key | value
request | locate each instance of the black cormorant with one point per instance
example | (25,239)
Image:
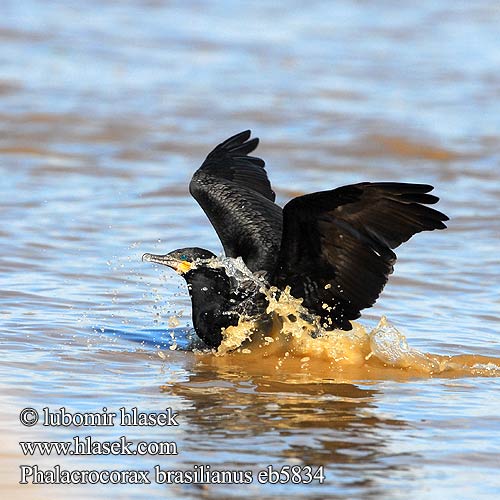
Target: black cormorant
(333,248)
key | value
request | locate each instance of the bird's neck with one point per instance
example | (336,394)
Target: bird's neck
(210,291)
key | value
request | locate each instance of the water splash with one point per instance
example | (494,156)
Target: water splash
(297,340)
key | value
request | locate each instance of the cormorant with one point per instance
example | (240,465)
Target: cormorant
(333,248)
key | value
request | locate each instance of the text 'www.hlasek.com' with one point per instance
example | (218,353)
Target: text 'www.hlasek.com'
(87,445)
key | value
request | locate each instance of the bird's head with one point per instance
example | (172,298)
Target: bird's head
(182,260)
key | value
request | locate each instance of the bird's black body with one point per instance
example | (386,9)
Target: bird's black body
(218,299)
(333,248)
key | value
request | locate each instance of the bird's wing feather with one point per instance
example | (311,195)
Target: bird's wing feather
(235,193)
(336,251)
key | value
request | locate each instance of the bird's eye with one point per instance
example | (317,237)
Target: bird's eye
(184,257)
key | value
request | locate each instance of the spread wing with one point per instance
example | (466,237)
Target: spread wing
(337,245)
(233,190)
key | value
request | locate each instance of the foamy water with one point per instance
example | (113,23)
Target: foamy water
(351,355)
